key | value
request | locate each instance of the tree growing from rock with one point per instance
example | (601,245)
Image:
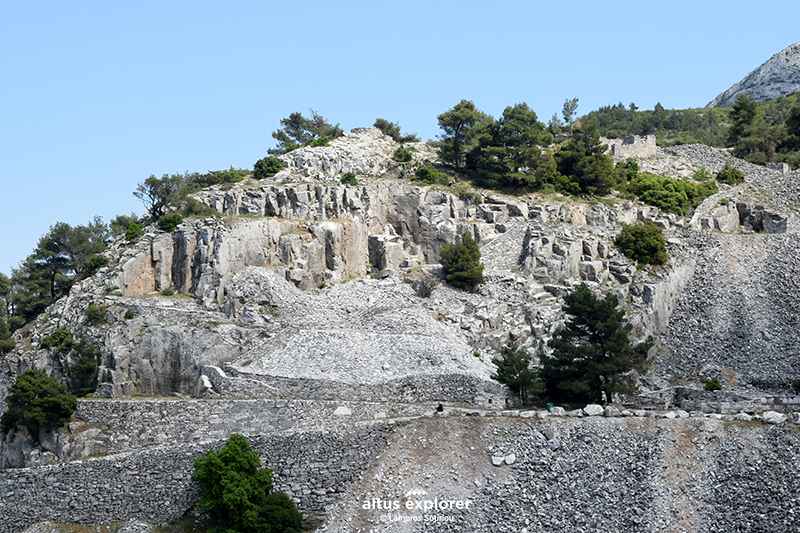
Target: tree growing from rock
(392,129)
(461,264)
(643,242)
(514,371)
(457,124)
(37,401)
(592,356)
(297,131)
(158,194)
(236,492)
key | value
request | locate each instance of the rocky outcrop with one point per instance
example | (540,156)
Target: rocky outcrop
(779,76)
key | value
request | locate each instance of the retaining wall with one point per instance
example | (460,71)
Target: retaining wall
(155,485)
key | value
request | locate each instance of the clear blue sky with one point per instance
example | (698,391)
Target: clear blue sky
(96,96)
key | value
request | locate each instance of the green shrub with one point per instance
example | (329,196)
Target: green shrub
(267,167)
(670,195)
(429,175)
(461,264)
(796,386)
(349,178)
(193,208)
(168,291)
(513,371)
(235,492)
(93,264)
(83,374)
(169,222)
(61,339)
(321,141)
(129,314)
(402,155)
(730,175)
(6,342)
(37,401)
(712,384)
(643,242)
(96,314)
(134,231)
(724,201)
(702,174)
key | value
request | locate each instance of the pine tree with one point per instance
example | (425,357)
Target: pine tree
(461,264)
(513,371)
(592,354)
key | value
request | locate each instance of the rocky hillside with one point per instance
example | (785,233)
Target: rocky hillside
(780,75)
(299,319)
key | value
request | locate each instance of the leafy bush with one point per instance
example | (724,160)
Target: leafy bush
(349,178)
(392,129)
(134,231)
(169,222)
(235,492)
(267,167)
(796,385)
(129,314)
(461,264)
(643,242)
(429,175)
(168,291)
(120,223)
(6,342)
(402,155)
(321,141)
(96,314)
(83,374)
(671,195)
(61,339)
(730,175)
(513,370)
(702,174)
(592,356)
(37,401)
(712,384)
(193,208)
(93,264)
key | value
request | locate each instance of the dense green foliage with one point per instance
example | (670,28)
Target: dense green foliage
(96,314)
(712,384)
(134,231)
(120,223)
(392,129)
(83,373)
(584,162)
(730,175)
(37,401)
(94,263)
(60,258)
(430,176)
(461,264)
(796,386)
(592,355)
(402,155)
(61,339)
(643,242)
(158,194)
(297,131)
(349,178)
(6,342)
(458,125)
(322,141)
(669,194)
(235,492)
(267,167)
(513,371)
(169,222)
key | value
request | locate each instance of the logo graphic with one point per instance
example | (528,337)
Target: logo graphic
(416,492)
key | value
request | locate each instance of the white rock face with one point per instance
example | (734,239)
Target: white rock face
(780,75)
(775,418)
(593,410)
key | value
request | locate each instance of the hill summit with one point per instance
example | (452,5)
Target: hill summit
(780,75)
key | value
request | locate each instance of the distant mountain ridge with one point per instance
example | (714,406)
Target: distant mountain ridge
(780,75)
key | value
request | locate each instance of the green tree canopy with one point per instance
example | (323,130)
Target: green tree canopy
(584,161)
(457,124)
(297,131)
(235,492)
(37,401)
(643,242)
(392,129)
(158,194)
(461,264)
(514,371)
(592,355)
